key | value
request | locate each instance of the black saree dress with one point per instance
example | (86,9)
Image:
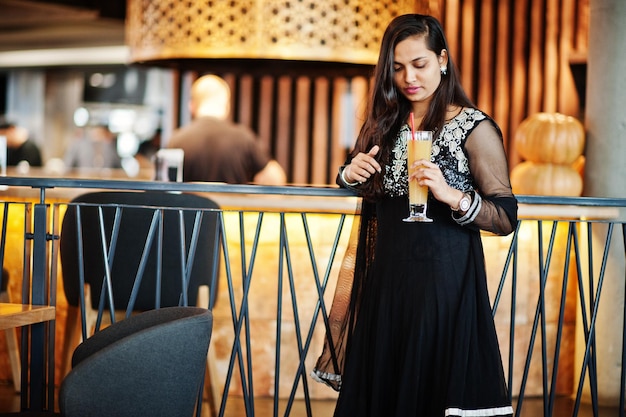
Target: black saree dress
(418,334)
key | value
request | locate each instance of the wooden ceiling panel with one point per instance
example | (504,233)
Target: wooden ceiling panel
(29,24)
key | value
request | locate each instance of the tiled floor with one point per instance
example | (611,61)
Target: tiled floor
(10,402)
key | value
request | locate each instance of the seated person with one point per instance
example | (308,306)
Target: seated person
(19,146)
(97,149)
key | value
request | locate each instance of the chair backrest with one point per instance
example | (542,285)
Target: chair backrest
(151,364)
(141,260)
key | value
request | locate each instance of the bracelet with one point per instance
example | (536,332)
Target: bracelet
(343,178)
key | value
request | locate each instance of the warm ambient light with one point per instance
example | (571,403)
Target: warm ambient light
(97,55)
(343,31)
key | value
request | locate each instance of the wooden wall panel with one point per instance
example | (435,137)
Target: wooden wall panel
(284,121)
(245,101)
(519,78)
(321,133)
(581,26)
(568,100)
(231,80)
(302,132)
(452,11)
(514,57)
(360,87)
(341,125)
(265,112)
(551,54)
(485,70)
(468,46)
(520,53)
(502,80)
(535,60)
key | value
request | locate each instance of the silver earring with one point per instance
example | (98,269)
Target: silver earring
(444,70)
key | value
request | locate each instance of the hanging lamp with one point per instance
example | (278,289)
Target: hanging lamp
(183,32)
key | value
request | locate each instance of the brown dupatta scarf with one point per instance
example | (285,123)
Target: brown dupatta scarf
(342,317)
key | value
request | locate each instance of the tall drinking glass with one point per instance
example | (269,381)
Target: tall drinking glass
(418,146)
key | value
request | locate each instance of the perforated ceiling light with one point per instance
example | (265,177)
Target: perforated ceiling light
(342,31)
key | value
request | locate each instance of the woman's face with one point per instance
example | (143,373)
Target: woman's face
(417,69)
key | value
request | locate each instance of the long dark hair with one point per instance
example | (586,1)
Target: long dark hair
(388,109)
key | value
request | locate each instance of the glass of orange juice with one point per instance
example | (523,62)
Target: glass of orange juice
(418,146)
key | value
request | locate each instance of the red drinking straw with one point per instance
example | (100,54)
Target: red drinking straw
(412,125)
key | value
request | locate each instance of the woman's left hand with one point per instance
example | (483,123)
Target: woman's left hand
(429,174)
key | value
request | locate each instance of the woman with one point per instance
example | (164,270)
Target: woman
(423,342)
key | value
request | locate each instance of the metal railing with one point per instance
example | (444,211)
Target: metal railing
(575,250)
(281,249)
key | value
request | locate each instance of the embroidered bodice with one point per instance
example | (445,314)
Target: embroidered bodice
(447,152)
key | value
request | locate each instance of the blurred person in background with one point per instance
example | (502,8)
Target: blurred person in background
(218,150)
(97,149)
(20,147)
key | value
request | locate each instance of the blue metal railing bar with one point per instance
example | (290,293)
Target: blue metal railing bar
(26,297)
(282,254)
(245,312)
(320,305)
(547,389)
(239,319)
(39,296)
(5,220)
(539,314)
(193,245)
(317,191)
(622,408)
(81,272)
(109,255)
(156,220)
(583,308)
(590,340)
(54,249)
(561,320)
(50,183)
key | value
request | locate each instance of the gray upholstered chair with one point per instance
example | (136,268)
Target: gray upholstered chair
(151,364)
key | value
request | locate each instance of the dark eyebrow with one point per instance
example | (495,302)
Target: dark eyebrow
(419,58)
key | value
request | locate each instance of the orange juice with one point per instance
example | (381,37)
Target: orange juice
(417,149)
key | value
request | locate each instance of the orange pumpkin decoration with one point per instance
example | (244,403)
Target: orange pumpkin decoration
(579,165)
(551,138)
(535,178)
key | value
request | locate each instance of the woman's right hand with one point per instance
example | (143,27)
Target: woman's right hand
(362,166)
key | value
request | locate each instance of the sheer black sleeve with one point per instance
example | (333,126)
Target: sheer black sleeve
(495,203)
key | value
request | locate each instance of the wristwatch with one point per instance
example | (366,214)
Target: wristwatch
(464,203)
